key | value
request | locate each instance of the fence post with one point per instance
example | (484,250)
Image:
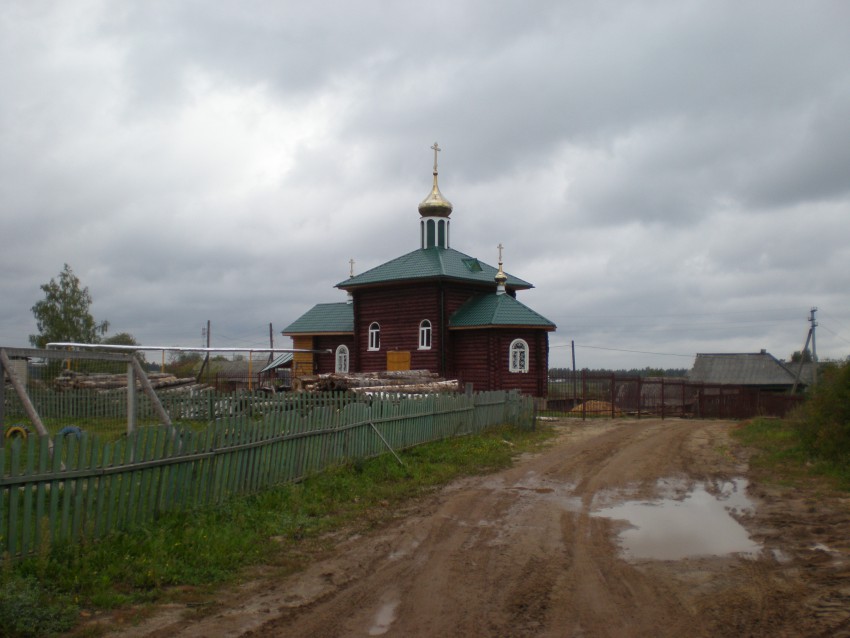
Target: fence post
(640,393)
(662,399)
(613,393)
(583,395)
(148,388)
(29,408)
(131,399)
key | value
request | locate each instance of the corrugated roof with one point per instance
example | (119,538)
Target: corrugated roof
(429,263)
(278,361)
(760,368)
(497,310)
(332,318)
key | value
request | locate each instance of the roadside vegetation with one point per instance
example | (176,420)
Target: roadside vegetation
(814,441)
(185,556)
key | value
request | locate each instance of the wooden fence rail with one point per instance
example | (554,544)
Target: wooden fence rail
(88,487)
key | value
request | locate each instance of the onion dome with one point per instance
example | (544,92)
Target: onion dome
(500,277)
(435,205)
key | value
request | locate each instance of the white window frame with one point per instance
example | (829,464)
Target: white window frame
(518,356)
(425,334)
(341,359)
(374,336)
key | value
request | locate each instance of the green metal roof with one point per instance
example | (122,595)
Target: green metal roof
(286,357)
(432,263)
(324,318)
(492,310)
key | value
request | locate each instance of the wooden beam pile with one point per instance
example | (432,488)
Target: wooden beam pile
(404,381)
(70,380)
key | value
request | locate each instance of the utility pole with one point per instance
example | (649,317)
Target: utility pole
(271,343)
(206,334)
(814,325)
(809,337)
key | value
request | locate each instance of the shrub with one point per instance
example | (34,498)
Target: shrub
(823,421)
(26,609)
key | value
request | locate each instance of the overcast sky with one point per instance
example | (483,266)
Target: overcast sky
(672,176)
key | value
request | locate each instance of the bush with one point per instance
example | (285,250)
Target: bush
(26,609)
(823,421)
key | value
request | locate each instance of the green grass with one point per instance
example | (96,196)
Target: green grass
(783,457)
(190,553)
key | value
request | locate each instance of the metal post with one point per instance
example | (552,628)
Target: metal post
(148,389)
(29,408)
(131,399)
(640,393)
(583,395)
(2,404)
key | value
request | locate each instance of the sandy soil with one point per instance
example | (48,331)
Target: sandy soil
(520,553)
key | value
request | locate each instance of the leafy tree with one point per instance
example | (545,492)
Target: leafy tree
(824,419)
(63,314)
(805,356)
(125,339)
(121,339)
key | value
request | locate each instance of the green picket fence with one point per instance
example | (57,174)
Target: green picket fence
(89,486)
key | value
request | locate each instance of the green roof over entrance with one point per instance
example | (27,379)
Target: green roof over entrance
(432,263)
(324,318)
(494,310)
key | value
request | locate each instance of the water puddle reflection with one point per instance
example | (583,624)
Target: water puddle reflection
(386,614)
(687,520)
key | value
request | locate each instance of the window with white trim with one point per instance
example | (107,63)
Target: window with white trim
(374,336)
(518,356)
(341,361)
(424,335)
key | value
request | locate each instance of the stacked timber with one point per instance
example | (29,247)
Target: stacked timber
(403,381)
(70,380)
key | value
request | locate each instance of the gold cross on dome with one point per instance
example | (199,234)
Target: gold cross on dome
(436,149)
(351,267)
(500,247)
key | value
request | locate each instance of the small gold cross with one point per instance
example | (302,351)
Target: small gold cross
(436,148)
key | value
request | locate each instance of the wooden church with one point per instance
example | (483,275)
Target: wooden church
(433,309)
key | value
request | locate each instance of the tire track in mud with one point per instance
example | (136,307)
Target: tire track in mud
(519,553)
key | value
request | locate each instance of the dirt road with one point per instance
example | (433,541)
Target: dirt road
(531,552)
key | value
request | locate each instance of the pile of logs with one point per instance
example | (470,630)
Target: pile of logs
(70,380)
(404,381)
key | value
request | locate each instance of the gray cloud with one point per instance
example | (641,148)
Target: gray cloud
(646,165)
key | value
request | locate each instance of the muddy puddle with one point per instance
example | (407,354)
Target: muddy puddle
(686,520)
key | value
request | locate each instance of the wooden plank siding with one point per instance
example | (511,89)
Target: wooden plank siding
(481,357)
(90,488)
(399,311)
(326,361)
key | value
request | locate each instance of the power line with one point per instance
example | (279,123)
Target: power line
(664,354)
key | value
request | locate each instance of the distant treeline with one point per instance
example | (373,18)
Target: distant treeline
(564,373)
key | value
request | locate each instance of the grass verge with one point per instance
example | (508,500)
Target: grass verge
(782,456)
(186,555)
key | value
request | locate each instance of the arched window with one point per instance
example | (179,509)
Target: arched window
(425,335)
(374,336)
(518,361)
(341,361)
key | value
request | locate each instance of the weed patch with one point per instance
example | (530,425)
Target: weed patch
(280,527)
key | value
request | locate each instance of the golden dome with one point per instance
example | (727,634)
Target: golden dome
(435,205)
